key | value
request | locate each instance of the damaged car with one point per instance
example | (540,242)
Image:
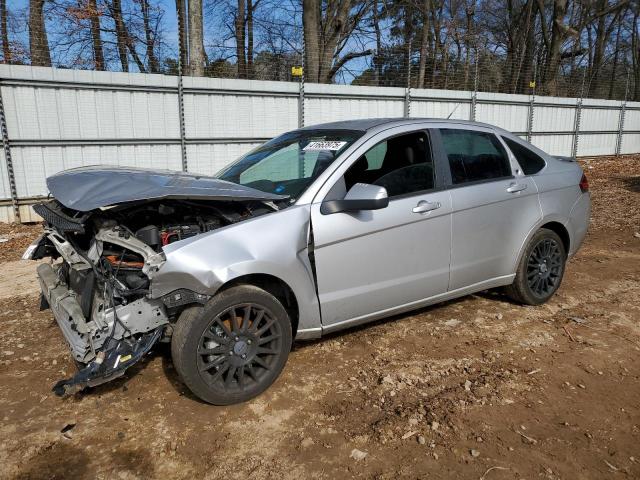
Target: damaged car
(317,230)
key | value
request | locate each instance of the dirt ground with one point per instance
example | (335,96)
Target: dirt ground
(478,388)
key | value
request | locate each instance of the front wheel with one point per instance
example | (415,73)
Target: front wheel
(234,347)
(540,269)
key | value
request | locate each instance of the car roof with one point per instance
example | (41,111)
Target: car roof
(367,124)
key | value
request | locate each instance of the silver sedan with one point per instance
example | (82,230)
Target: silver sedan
(317,230)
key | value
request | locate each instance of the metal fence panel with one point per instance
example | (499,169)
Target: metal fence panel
(59,119)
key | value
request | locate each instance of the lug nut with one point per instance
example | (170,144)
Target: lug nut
(244,355)
(249,342)
(231,352)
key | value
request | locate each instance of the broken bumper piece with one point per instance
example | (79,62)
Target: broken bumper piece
(109,364)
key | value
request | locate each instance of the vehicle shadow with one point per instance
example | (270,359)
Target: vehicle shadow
(631,183)
(495,295)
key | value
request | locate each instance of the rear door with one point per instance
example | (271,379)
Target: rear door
(494,206)
(369,263)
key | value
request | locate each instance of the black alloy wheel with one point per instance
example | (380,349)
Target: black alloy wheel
(234,347)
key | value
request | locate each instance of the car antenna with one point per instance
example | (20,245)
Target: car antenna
(453,111)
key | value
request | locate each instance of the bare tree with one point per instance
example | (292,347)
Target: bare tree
(327,27)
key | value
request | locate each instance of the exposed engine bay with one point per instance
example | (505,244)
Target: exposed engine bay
(99,289)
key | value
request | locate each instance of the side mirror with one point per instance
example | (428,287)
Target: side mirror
(361,196)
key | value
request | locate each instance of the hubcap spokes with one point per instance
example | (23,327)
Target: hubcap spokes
(544,267)
(238,347)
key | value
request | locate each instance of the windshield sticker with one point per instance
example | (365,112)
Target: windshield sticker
(326,145)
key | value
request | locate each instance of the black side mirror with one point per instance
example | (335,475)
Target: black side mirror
(361,196)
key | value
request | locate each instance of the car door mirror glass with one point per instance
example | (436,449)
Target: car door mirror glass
(361,196)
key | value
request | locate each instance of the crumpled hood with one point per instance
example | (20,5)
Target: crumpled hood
(88,188)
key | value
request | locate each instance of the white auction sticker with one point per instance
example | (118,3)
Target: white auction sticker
(325,145)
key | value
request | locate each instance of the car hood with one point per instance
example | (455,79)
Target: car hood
(88,188)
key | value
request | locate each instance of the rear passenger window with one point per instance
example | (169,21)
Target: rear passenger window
(529,161)
(474,156)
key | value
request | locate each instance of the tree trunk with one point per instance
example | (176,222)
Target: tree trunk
(408,35)
(377,59)
(96,40)
(38,41)
(598,51)
(240,40)
(250,7)
(558,34)
(182,35)
(615,60)
(196,39)
(121,34)
(424,44)
(311,16)
(4,32)
(150,41)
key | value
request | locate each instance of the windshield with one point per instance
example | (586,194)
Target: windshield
(288,164)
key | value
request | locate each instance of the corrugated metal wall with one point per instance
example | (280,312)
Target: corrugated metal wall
(59,119)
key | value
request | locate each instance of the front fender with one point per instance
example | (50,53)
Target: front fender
(273,244)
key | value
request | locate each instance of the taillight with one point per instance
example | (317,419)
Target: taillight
(584,184)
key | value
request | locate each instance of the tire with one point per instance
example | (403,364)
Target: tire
(234,347)
(540,269)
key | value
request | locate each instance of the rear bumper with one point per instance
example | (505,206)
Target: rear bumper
(67,312)
(579,221)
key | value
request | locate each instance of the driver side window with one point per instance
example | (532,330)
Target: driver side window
(401,164)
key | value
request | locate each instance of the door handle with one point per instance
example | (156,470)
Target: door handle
(423,206)
(514,187)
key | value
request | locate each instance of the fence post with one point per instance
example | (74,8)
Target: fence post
(623,108)
(9,161)
(576,124)
(532,99)
(474,95)
(183,145)
(301,91)
(407,93)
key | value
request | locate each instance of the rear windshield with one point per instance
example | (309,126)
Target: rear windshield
(288,164)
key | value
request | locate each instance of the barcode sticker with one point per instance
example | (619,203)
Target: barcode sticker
(325,145)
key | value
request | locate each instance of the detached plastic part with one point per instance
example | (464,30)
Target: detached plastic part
(109,364)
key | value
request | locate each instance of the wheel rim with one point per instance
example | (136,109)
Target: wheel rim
(239,348)
(544,267)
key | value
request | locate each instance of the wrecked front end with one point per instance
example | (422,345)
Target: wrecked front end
(98,284)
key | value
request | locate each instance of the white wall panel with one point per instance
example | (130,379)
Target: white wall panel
(32,165)
(510,117)
(553,119)
(239,116)
(630,143)
(592,119)
(429,109)
(5,191)
(56,114)
(592,145)
(321,110)
(208,159)
(554,144)
(632,120)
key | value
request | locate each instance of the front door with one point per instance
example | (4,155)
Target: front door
(371,263)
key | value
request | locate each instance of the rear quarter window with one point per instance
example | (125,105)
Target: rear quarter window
(529,161)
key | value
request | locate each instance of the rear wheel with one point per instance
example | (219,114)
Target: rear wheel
(234,347)
(540,270)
